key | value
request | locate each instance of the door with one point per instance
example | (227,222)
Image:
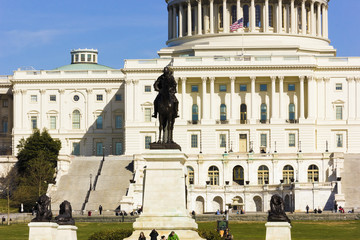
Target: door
(243,143)
(99,148)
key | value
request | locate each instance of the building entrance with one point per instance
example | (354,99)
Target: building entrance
(243,143)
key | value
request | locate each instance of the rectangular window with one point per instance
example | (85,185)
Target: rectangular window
(118,121)
(76,148)
(194,88)
(291,87)
(243,87)
(291,140)
(222,140)
(339,140)
(99,97)
(77,57)
(339,113)
(99,122)
(5,126)
(147,142)
(263,140)
(99,149)
(33,122)
(52,98)
(118,148)
(338,86)
(147,114)
(83,57)
(194,141)
(52,122)
(147,88)
(118,97)
(222,88)
(33,98)
(5,103)
(263,87)
(89,57)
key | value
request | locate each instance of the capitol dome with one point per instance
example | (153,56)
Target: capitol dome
(267,27)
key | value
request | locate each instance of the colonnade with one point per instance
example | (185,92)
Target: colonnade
(306,17)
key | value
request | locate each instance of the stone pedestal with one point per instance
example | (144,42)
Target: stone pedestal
(278,231)
(164,207)
(42,231)
(67,232)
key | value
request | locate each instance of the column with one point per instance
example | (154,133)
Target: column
(357,96)
(183,93)
(204,106)
(293,25)
(266,22)
(302,107)
(17,114)
(206,19)
(199,17)
(212,110)
(181,19)
(60,116)
(288,21)
(312,18)
(135,99)
(351,98)
(225,18)
(326,20)
(211,16)
(281,93)
(318,27)
(280,18)
(169,23)
(273,86)
(232,99)
(321,98)
(239,13)
(189,19)
(252,16)
(174,22)
(128,103)
(311,97)
(303,17)
(23,100)
(323,20)
(89,92)
(327,98)
(41,123)
(253,104)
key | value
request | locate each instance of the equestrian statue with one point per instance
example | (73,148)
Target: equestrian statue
(166,106)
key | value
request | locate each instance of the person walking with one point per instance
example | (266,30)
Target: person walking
(142,236)
(100,209)
(335,207)
(173,236)
(153,235)
(307,208)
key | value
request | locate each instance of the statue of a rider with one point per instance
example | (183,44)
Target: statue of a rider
(166,76)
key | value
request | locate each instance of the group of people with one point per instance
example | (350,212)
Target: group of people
(318,210)
(154,234)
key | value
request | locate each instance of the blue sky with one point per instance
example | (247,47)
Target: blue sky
(41,33)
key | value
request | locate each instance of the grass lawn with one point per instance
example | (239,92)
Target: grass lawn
(349,230)
(3,207)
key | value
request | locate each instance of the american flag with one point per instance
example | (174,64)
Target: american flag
(238,24)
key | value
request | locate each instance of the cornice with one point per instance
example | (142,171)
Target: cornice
(67,80)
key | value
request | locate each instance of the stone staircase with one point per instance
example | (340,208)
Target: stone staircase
(74,186)
(350,178)
(111,185)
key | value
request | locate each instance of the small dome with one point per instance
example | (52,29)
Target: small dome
(84,56)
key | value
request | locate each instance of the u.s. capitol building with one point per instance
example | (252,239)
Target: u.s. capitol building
(267,108)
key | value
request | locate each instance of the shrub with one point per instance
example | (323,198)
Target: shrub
(111,234)
(209,234)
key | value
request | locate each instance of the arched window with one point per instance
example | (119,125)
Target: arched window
(246,15)
(313,173)
(213,175)
(271,16)
(258,16)
(263,116)
(291,112)
(221,17)
(191,177)
(238,175)
(195,112)
(288,174)
(76,119)
(243,113)
(263,175)
(222,112)
(233,14)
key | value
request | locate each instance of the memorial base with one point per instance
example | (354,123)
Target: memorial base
(67,232)
(42,230)
(278,231)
